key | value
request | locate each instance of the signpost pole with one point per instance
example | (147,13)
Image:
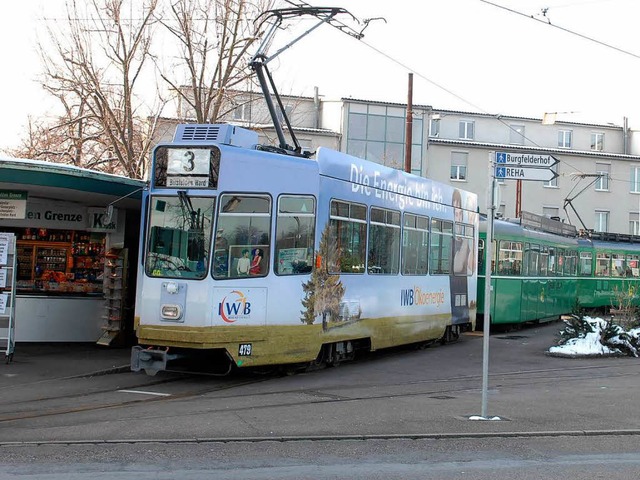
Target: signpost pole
(518,198)
(488,248)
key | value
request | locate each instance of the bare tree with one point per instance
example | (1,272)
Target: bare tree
(94,64)
(214,37)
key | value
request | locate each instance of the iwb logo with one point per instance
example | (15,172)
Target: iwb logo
(234,307)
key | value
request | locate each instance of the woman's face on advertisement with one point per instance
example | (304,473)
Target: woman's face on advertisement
(457,209)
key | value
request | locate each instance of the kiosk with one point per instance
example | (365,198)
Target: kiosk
(58,214)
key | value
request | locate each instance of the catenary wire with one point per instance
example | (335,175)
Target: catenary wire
(572,32)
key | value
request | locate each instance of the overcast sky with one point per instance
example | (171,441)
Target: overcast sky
(465,54)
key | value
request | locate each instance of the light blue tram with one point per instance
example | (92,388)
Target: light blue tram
(254,257)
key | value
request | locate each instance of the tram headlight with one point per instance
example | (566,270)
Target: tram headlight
(171,287)
(171,312)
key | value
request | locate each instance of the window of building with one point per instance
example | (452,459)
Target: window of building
(288,109)
(564,138)
(415,245)
(551,212)
(466,130)
(635,179)
(244,223)
(440,247)
(434,127)
(348,223)
(377,133)
(597,141)
(242,112)
(384,242)
(306,144)
(634,223)
(516,134)
(602,221)
(554,181)
(295,234)
(602,183)
(501,211)
(459,165)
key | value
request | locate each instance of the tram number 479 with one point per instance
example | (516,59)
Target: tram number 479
(244,350)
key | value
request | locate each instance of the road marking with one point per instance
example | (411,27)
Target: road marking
(146,393)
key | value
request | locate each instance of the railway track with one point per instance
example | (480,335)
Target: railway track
(189,386)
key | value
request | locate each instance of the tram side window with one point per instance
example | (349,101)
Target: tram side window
(586,262)
(179,236)
(544,260)
(481,257)
(534,260)
(348,222)
(295,234)
(633,267)
(603,262)
(242,239)
(510,258)
(384,242)
(571,268)
(415,245)
(617,265)
(463,261)
(561,262)
(440,247)
(551,271)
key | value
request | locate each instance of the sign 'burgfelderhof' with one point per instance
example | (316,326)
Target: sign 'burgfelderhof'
(526,159)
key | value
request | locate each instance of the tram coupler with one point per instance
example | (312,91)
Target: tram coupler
(151,360)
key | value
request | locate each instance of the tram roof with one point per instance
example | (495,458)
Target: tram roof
(58,181)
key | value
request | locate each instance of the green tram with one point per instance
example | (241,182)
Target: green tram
(542,269)
(609,271)
(534,270)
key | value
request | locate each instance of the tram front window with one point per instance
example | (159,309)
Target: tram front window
(179,236)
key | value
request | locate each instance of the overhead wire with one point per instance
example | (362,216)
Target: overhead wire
(572,32)
(482,110)
(459,97)
(564,29)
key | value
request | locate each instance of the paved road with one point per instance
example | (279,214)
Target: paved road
(402,414)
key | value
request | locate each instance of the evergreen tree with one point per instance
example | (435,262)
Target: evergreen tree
(324,291)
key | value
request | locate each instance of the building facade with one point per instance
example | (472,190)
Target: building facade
(598,182)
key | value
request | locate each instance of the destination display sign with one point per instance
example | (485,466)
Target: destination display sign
(525,173)
(526,159)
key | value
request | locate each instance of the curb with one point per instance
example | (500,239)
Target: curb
(325,438)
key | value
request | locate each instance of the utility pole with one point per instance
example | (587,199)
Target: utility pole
(409,127)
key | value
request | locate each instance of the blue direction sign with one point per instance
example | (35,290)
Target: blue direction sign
(533,160)
(525,173)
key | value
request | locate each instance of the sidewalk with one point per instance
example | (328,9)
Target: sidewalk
(33,362)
